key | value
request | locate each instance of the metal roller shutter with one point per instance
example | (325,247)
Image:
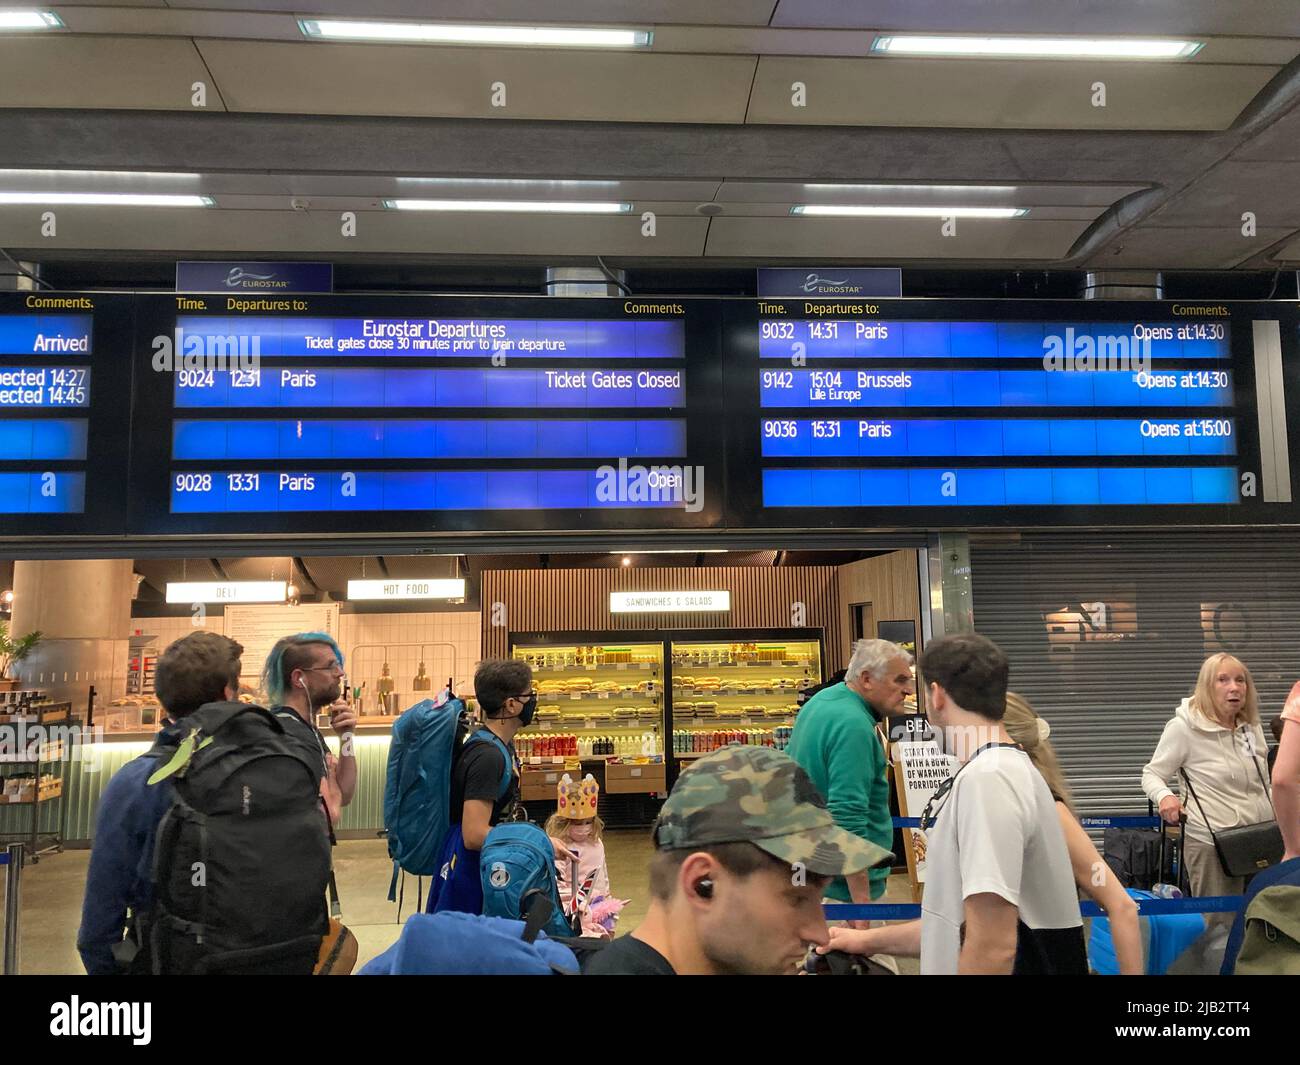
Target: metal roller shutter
(1106,633)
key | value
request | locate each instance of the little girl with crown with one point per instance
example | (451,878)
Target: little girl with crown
(576,822)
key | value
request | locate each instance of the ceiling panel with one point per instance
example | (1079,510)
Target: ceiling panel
(1289,252)
(1208,248)
(153,73)
(891,240)
(1263,17)
(381,232)
(1270,190)
(594,12)
(1003,95)
(337,79)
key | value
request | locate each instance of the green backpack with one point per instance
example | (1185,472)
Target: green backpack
(1271,946)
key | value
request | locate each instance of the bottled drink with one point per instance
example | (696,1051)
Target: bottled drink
(1166,891)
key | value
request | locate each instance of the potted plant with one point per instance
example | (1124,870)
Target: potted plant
(12,652)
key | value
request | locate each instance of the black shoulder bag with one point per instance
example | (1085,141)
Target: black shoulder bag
(1246,849)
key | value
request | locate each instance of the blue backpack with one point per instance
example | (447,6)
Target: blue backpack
(465,944)
(1164,937)
(417,790)
(517,867)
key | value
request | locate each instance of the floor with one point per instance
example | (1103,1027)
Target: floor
(52,891)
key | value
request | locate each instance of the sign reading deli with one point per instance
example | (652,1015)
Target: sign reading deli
(668,602)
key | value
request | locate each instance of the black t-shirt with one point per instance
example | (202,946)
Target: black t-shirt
(627,956)
(476,774)
(305,734)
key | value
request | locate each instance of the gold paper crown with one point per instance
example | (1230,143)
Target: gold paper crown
(577,802)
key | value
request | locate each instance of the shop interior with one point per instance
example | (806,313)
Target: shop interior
(627,692)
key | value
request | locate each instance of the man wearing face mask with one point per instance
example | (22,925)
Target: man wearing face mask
(485,782)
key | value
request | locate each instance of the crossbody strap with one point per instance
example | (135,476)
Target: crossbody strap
(1192,792)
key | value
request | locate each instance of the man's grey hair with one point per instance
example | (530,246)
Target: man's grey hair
(874,656)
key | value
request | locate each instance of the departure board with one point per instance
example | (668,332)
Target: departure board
(62,384)
(871,417)
(378,413)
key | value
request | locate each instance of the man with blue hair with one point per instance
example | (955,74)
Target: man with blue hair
(304,675)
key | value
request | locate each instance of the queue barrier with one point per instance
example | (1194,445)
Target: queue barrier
(898,911)
(12,858)
(1086,822)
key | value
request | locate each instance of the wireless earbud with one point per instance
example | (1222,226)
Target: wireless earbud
(704,888)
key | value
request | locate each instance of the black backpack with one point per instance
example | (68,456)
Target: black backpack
(242,857)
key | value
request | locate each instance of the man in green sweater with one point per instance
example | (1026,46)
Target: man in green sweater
(835,741)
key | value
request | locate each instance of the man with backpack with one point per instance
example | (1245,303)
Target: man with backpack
(484,782)
(303,675)
(213,841)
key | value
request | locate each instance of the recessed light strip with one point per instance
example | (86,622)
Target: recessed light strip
(850,210)
(30,20)
(955,47)
(107,199)
(516,206)
(467,33)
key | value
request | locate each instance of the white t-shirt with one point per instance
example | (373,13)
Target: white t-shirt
(998,831)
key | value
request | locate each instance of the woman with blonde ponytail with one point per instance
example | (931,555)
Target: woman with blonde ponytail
(1091,873)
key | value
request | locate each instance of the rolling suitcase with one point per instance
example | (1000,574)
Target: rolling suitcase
(1164,936)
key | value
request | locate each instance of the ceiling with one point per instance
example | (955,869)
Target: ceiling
(317,577)
(1158,178)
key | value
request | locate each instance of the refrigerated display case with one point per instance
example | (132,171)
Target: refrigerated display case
(598,700)
(739,688)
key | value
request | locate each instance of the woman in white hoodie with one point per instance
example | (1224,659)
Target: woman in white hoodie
(1216,739)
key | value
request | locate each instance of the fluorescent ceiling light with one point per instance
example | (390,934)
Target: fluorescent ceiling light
(466,33)
(107,199)
(506,182)
(30,20)
(913,188)
(151,175)
(524,206)
(851,210)
(226,591)
(1034,47)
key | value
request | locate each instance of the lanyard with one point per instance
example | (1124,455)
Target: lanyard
(929,815)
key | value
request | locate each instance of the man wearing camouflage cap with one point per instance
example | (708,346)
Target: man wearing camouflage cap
(744,848)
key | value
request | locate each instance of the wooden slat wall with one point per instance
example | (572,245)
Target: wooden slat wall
(889,583)
(578,600)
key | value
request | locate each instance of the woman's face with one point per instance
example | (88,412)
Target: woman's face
(1230,688)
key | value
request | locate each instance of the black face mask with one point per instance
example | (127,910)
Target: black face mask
(526,714)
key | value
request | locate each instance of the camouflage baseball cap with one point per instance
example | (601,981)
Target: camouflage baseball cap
(761,796)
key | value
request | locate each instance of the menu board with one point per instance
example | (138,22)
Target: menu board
(59,392)
(874,418)
(375,413)
(257,629)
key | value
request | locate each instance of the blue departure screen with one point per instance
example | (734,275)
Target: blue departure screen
(439,338)
(45,334)
(44,370)
(485,403)
(1040,398)
(840,339)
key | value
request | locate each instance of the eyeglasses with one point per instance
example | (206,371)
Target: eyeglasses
(334,668)
(526,696)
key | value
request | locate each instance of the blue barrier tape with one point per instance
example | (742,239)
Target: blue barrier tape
(1087,822)
(890,911)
